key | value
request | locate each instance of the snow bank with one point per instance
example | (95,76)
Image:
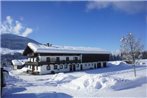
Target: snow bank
(116,63)
(141,62)
(104,82)
(126,84)
(91,82)
(61,78)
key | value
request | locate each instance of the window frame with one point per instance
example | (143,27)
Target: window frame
(67,58)
(48,59)
(57,59)
(55,66)
(78,65)
(48,67)
(65,66)
(75,58)
(61,66)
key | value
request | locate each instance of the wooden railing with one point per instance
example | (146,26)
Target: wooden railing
(52,62)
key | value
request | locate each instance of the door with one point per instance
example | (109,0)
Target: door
(94,65)
(99,65)
(70,67)
(33,68)
(81,67)
(74,67)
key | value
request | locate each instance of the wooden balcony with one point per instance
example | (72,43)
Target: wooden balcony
(52,62)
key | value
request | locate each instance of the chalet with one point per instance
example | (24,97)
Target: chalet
(44,59)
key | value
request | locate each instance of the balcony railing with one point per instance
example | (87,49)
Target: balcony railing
(52,62)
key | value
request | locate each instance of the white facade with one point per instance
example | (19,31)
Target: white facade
(67,67)
(53,59)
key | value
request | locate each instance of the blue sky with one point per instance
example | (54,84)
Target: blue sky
(93,24)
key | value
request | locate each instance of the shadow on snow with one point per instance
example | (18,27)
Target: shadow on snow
(38,95)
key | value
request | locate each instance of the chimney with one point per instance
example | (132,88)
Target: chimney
(48,44)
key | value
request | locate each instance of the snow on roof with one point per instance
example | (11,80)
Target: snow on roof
(19,62)
(16,62)
(40,48)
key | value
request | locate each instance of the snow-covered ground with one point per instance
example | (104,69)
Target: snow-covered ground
(116,80)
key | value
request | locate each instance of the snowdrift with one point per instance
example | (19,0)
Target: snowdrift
(60,78)
(104,82)
(117,63)
(91,82)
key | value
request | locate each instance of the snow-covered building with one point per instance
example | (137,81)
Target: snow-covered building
(43,59)
(18,64)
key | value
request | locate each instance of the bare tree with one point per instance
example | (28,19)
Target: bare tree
(131,49)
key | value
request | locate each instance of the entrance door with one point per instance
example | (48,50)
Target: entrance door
(70,66)
(74,67)
(33,68)
(81,67)
(99,65)
(94,65)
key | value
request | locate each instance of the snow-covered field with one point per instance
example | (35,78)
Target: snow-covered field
(116,80)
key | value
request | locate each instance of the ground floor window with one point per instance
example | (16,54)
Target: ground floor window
(77,65)
(36,67)
(65,66)
(61,66)
(48,67)
(55,66)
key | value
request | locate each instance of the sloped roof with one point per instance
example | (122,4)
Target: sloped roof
(40,48)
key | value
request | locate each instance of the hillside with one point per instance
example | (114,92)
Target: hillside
(15,42)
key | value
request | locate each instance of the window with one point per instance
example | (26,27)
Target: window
(85,64)
(65,66)
(48,59)
(75,58)
(61,66)
(57,59)
(48,67)
(55,66)
(53,59)
(36,67)
(77,65)
(37,59)
(67,58)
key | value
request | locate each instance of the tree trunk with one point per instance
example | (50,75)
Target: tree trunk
(134,70)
